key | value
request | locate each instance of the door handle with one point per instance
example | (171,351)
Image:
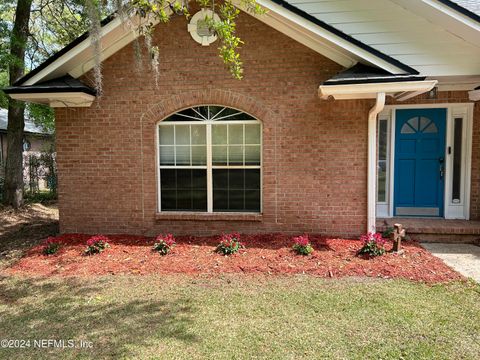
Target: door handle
(441,160)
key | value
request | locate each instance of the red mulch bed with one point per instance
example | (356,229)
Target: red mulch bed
(268,254)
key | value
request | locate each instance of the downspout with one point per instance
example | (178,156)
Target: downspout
(372,161)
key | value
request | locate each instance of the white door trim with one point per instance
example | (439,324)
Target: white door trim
(454,110)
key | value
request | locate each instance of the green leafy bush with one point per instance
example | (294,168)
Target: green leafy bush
(229,244)
(302,245)
(388,232)
(96,244)
(164,244)
(51,246)
(43,197)
(373,245)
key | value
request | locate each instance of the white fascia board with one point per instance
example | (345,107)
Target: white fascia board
(462,18)
(474,95)
(442,15)
(116,35)
(322,36)
(370,91)
(76,62)
(57,99)
(304,36)
(71,55)
(118,39)
(107,51)
(457,83)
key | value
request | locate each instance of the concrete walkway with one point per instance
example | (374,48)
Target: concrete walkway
(464,258)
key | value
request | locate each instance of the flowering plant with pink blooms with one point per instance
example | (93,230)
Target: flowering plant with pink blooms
(373,244)
(164,244)
(302,245)
(51,246)
(96,244)
(229,244)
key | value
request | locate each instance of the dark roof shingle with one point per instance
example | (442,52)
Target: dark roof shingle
(364,74)
(62,84)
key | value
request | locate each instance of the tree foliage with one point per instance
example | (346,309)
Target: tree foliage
(55,23)
(152,12)
(32,30)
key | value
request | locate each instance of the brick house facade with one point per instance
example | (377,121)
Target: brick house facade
(314,151)
(115,153)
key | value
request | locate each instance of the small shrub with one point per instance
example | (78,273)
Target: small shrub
(51,246)
(43,197)
(229,244)
(96,244)
(388,232)
(373,245)
(164,244)
(302,245)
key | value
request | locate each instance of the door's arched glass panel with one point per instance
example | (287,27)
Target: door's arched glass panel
(416,124)
(407,129)
(413,122)
(431,128)
(424,122)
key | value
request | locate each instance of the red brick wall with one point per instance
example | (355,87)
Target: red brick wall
(314,157)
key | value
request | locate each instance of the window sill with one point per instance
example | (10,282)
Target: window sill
(201,216)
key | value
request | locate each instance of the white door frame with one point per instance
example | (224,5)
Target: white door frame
(458,210)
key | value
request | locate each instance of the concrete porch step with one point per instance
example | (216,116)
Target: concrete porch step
(436,230)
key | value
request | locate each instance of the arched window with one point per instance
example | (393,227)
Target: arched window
(210,161)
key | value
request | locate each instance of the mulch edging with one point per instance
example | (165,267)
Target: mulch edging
(265,253)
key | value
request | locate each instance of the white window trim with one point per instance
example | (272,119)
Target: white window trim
(464,110)
(209,167)
(382,206)
(459,210)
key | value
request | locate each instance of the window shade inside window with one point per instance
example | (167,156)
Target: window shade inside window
(183,189)
(236,190)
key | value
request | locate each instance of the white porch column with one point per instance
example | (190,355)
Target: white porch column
(372,161)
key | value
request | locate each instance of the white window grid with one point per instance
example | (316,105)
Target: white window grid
(209,121)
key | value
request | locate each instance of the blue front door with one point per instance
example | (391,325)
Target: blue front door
(419,173)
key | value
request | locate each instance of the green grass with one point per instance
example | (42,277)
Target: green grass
(240,317)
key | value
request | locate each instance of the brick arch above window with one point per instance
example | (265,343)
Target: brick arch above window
(169,104)
(236,100)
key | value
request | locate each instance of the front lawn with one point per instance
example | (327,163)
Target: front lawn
(241,316)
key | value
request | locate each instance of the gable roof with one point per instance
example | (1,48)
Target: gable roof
(77,57)
(287,5)
(434,38)
(60,53)
(385,36)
